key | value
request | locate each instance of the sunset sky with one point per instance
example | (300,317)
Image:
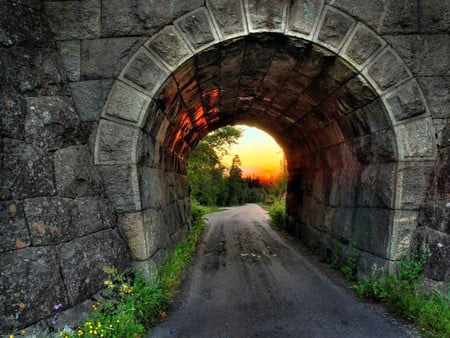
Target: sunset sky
(260,154)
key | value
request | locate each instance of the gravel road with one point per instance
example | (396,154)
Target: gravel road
(248,281)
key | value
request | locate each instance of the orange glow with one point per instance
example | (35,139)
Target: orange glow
(260,155)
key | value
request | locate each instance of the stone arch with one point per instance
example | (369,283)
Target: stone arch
(358,166)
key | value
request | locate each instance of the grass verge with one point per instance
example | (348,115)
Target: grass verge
(130,304)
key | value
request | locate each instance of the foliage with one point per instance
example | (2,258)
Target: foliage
(277,214)
(130,304)
(399,292)
(205,171)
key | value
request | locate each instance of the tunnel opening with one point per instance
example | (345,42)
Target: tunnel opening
(328,114)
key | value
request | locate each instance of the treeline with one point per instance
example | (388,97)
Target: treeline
(212,183)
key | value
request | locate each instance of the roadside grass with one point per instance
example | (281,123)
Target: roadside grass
(130,305)
(399,292)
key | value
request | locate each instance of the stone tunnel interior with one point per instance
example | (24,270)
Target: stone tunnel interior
(332,125)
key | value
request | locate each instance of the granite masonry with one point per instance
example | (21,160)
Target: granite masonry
(101,102)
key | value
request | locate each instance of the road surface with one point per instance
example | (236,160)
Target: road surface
(247,281)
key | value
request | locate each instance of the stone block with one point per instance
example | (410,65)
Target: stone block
(51,122)
(228,16)
(414,180)
(356,93)
(197,29)
(89,98)
(437,95)
(170,47)
(371,265)
(26,277)
(141,17)
(23,26)
(416,138)
(424,55)
(92,214)
(387,70)
(377,186)
(148,269)
(363,44)
(127,104)
(14,234)
(75,173)
(27,171)
(145,232)
(144,71)
(266,15)
(49,220)
(403,234)
(438,265)
(70,20)
(121,185)
(153,187)
(406,101)
(434,16)
(83,261)
(70,52)
(371,230)
(12,113)
(32,71)
(333,28)
(383,17)
(303,15)
(106,58)
(119,144)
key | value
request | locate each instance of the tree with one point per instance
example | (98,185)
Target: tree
(236,185)
(205,170)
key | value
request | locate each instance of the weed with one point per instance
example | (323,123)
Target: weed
(277,214)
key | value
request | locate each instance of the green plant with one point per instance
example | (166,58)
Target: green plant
(129,305)
(277,214)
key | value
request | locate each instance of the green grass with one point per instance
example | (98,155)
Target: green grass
(209,209)
(399,293)
(277,214)
(130,304)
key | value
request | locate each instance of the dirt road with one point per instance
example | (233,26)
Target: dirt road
(247,281)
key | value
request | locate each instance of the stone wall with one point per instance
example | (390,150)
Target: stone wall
(102,102)
(58,230)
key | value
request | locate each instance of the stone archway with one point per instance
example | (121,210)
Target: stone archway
(349,114)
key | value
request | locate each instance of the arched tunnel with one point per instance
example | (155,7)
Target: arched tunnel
(332,123)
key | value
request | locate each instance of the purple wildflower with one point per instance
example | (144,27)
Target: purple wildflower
(57,306)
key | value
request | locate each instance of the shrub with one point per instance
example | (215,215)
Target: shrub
(277,214)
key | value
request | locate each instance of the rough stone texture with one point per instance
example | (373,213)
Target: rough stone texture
(334,28)
(388,70)
(228,16)
(120,144)
(27,171)
(32,71)
(25,285)
(70,52)
(169,46)
(406,102)
(415,139)
(89,98)
(70,20)
(51,122)
(303,15)
(265,15)
(425,55)
(121,186)
(12,113)
(105,58)
(148,17)
(75,174)
(437,94)
(20,25)
(383,16)
(438,265)
(434,16)
(145,72)
(197,29)
(415,178)
(14,234)
(363,45)
(83,260)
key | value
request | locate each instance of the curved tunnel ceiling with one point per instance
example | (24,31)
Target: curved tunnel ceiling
(305,96)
